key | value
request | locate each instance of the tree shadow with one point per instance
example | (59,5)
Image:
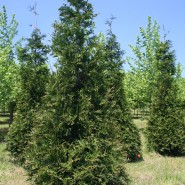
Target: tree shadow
(3,132)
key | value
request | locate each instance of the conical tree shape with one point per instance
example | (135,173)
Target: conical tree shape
(117,99)
(34,75)
(73,142)
(166,126)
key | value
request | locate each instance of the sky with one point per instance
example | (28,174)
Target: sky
(130,16)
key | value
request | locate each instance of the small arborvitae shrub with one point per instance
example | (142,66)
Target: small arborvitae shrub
(74,142)
(116,98)
(34,75)
(166,126)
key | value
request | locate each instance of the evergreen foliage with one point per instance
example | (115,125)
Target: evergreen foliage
(117,99)
(166,126)
(34,75)
(75,141)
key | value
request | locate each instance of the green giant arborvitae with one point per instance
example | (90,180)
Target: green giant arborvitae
(166,126)
(74,142)
(117,99)
(34,74)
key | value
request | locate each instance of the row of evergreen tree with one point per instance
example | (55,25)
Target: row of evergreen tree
(74,126)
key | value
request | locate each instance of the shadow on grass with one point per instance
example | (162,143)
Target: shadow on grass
(3,132)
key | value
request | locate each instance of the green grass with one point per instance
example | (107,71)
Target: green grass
(10,174)
(156,169)
(153,170)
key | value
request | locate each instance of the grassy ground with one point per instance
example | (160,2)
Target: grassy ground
(156,169)
(153,170)
(10,174)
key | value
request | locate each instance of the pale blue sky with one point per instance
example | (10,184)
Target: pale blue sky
(130,14)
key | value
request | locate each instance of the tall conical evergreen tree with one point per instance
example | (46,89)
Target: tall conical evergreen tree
(73,142)
(117,99)
(34,75)
(166,126)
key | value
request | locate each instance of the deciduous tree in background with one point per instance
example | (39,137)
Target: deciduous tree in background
(8,67)
(141,79)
